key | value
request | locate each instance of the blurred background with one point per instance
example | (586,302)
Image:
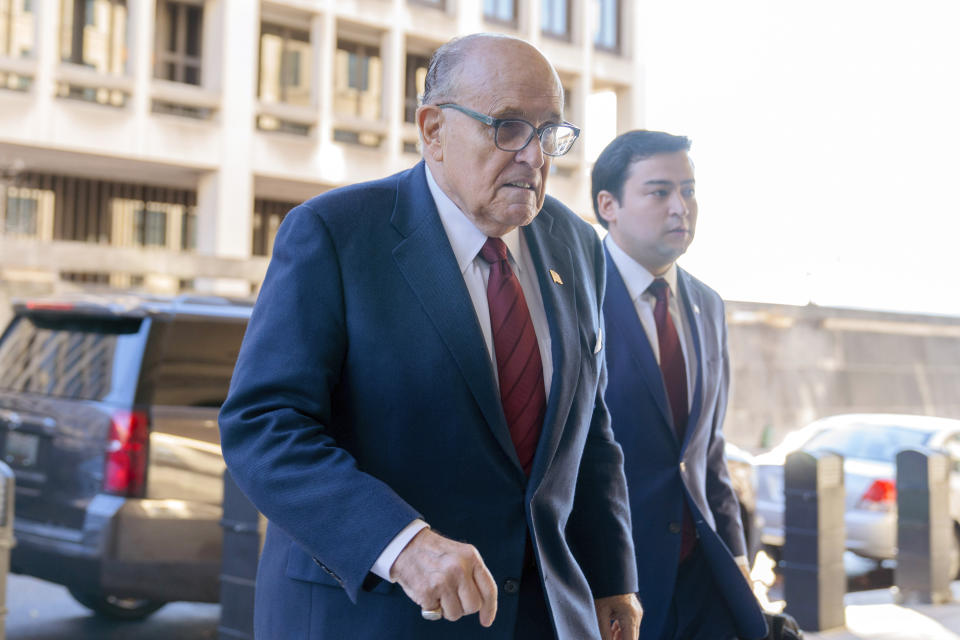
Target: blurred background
(154,146)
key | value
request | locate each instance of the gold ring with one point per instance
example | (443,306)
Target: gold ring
(432,614)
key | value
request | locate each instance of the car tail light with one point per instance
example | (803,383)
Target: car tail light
(879,496)
(126,467)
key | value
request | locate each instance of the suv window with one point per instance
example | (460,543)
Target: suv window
(197,361)
(65,356)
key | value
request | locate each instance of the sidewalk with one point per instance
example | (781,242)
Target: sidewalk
(873,615)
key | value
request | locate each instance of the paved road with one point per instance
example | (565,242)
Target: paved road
(39,610)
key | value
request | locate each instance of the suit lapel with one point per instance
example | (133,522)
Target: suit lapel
(621,313)
(692,304)
(426,261)
(560,304)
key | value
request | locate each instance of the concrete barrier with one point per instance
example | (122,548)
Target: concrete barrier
(814,580)
(924,527)
(7,492)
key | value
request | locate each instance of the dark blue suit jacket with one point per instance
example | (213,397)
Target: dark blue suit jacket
(661,471)
(364,397)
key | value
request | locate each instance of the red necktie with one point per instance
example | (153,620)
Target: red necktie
(675,379)
(518,355)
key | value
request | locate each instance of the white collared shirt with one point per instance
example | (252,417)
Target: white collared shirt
(638,279)
(466,240)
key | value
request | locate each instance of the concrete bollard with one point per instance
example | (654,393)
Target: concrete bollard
(924,527)
(7,493)
(243,530)
(814,579)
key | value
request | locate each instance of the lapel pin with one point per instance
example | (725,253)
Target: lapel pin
(696,309)
(556,277)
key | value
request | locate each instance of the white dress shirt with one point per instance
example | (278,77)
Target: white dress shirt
(466,240)
(638,279)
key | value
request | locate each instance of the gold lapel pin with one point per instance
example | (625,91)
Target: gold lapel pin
(556,277)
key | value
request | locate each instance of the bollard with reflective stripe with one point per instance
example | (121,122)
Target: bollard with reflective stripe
(924,527)
(814,580)
(243,532)
(7,492)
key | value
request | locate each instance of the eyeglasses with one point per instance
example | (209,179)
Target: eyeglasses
(513,134)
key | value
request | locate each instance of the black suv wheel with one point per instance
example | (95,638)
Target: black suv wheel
(115,607)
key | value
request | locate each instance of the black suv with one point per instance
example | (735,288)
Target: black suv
(108,417)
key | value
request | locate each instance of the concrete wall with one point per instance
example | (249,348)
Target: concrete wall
(792,365)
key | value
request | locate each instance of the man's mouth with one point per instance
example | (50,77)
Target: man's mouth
(520,184)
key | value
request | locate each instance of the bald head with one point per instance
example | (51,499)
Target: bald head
(444,81)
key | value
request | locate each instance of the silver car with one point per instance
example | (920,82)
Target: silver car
(869,444)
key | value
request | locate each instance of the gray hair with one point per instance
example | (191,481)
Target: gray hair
(443,72)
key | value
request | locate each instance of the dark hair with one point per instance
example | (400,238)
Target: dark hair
(610,170)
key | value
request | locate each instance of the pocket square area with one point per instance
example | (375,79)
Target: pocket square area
(597,347)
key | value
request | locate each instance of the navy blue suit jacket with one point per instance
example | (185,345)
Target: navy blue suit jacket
(661,471)
(364,398)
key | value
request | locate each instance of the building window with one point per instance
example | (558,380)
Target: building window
(608,25)
(358,80)
(16,28)
(93,34)
(188,229)
(500,11)
(284,65)
(179,41)
(20,216)
(416,75)
(150,226)
(267,216)
(16,40)
(555,18)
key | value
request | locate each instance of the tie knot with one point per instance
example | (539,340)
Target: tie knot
(660,289)
(494,250)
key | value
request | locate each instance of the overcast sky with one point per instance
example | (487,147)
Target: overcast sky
(825,140)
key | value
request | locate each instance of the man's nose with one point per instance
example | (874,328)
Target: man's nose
(679,205)
(532,154)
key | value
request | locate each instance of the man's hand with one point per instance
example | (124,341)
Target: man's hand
(436,572)
(619,617)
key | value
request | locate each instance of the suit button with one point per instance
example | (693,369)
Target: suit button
(674,527)
(511,586)
(683,467)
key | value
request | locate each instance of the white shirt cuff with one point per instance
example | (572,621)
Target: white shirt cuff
(740,560)
(385,562)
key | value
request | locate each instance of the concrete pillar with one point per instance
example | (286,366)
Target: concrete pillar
(924,528)
(814,578)
(225,197)
(323,35)
(631,100)
(46,51)
(392,50)
(141,47)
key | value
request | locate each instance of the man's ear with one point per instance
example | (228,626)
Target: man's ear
(430,124)
(607,206)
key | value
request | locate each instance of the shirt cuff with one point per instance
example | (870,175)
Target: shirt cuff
(385,562)
(740,560)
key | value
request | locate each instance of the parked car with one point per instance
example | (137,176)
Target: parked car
(108,417)
(869,444)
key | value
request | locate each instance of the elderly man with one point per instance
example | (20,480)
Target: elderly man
(418,404)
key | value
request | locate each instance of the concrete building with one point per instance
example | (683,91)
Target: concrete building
(156,144)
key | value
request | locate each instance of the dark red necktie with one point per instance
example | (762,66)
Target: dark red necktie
(675,379)
(519,368)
